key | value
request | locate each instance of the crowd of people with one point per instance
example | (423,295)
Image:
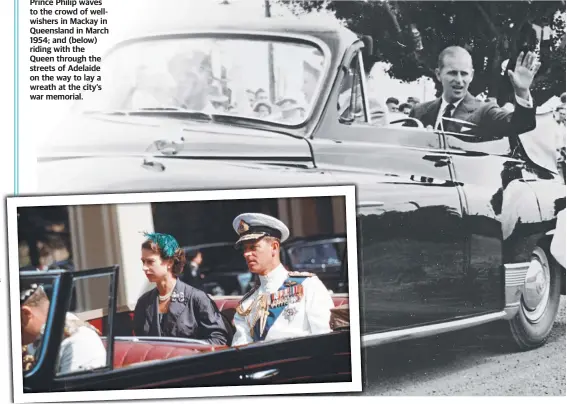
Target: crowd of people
(193,86)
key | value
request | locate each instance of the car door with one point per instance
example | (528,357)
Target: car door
(312,359)
(39,377)
(214,369)
(412,240)
(204,369)
(508,201)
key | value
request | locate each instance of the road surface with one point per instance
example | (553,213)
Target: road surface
(468,362)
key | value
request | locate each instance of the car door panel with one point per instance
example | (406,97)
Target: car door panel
(501,194)
(412,240)
(205,370)
(317,358)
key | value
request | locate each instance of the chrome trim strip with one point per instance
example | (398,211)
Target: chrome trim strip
(369,204)
(429,330)
(515,278)
(166,340)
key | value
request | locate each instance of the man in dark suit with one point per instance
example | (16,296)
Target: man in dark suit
(455,72)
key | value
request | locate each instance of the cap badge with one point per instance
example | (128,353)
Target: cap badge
(243,227)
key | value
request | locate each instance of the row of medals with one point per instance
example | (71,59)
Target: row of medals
(283,297)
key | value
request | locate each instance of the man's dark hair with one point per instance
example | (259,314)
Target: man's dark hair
(392,100)
(404,106)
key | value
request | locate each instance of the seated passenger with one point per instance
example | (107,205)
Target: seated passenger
(173,308)
(81,348)
(284,304)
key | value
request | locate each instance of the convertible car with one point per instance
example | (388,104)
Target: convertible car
(452,226)
(150,362)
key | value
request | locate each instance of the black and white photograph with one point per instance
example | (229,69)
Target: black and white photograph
(445,118)
(200,291)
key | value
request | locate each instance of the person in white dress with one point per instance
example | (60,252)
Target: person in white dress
(81,348)
(285,304)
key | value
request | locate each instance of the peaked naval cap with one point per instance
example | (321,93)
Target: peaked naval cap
(253,226)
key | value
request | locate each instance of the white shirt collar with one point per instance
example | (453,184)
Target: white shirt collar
(272,282)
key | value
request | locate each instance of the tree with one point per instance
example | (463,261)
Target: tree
(492,31)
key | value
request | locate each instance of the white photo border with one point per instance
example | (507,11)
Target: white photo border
(348,191)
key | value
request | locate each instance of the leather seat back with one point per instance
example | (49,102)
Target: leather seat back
(130,352)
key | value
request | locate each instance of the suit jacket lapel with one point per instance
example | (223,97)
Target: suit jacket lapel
(463,111)
(430,115)
(465,107)
(151,313)
(178,304)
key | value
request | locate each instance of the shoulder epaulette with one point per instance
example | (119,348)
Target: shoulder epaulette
(301,274)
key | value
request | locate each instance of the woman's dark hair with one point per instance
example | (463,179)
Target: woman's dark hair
(178,256)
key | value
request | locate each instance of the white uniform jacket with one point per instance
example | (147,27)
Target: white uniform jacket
(81,350)
(310,315)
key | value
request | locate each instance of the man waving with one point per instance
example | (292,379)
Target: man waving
(455,72)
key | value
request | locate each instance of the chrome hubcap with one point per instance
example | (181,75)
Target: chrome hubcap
(536,287)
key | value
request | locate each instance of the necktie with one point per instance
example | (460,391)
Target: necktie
(447,114)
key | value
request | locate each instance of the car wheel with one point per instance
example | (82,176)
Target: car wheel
(539,304)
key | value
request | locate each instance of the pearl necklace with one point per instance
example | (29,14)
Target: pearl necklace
(167,295)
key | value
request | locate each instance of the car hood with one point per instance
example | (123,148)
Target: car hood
(105,135)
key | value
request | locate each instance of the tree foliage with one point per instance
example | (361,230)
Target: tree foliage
(493,31)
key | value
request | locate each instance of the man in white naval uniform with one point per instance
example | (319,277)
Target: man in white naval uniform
(285,304)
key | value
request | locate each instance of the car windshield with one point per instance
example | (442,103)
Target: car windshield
(264,79)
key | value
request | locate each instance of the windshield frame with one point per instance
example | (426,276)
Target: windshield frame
(252,35)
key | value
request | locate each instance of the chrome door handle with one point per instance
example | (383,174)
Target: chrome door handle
(261,375)
(152,165)
(439,160)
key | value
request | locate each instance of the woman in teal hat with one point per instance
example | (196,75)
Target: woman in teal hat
(173,308)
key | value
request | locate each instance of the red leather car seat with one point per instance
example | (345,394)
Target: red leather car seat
(127,353)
